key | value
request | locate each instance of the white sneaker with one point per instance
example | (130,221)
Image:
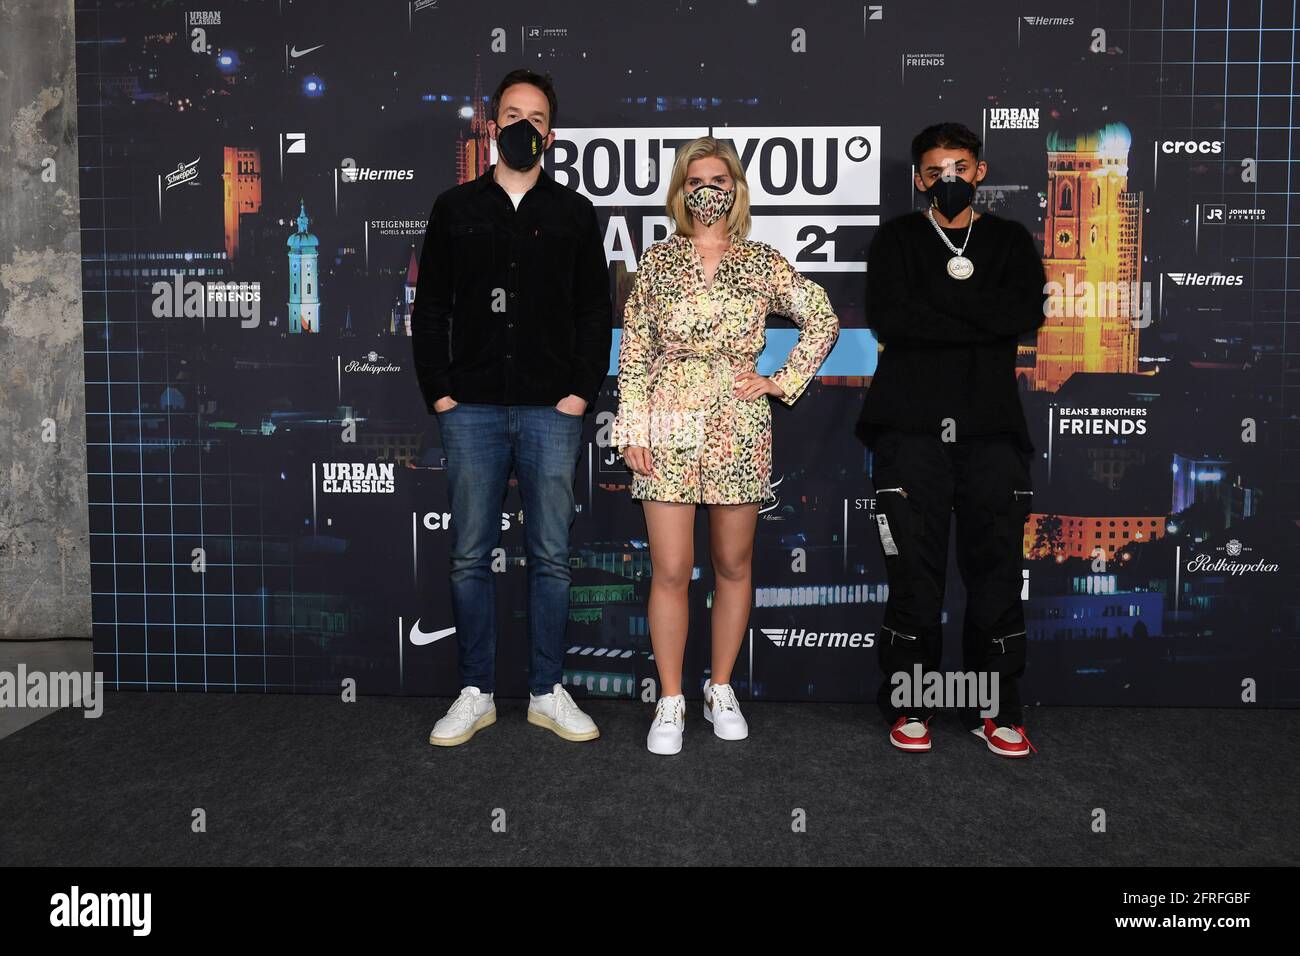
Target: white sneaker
(556,711)
(723,712)
(471,712)
(665,735)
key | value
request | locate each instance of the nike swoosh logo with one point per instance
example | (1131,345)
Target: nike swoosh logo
(295,52)
(419,638)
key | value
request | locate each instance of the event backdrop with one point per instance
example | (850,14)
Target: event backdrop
(268,493)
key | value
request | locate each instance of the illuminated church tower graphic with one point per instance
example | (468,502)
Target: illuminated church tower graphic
(1092,251)
(304,282)
(241,177)
(473,153)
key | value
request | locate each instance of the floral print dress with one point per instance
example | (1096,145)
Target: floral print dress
(684,341)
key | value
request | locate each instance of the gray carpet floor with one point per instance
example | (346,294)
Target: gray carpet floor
(311,780)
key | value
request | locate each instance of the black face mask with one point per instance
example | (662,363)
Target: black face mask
(950,196)
(520,145)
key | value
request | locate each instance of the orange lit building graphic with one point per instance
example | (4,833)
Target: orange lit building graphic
(1092,251)
(1077,536)
(474,152)
(241,176)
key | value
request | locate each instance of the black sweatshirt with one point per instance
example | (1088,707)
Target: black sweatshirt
(512,307)
(950,344)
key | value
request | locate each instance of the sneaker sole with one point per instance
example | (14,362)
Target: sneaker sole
(487,720)
(912,748)
(664,753)
(1001,753)
(541,720)
(1007,753)
(708,715)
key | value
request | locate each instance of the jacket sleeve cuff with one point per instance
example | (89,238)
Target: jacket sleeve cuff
(631,427)
(438,387)
(792,384)
(586,390)
(586,379)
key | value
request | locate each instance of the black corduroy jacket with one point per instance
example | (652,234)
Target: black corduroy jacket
(512,307)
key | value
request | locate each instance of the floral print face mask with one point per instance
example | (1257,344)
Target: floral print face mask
(709,203)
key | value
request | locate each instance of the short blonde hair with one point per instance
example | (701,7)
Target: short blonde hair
(738,220)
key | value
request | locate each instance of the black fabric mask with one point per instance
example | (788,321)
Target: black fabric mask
(950,196)
(520,145)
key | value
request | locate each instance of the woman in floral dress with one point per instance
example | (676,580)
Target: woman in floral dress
(694,423)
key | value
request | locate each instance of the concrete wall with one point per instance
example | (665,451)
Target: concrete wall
(44,538)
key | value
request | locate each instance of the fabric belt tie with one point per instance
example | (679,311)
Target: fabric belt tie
(684,428)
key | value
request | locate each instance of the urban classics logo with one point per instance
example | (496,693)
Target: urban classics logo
(798,637)
(183,173)
(73,909)
(1228,565)
(1205,278)
(357,478)
(368,365)
(204,18)
(1191,146)
(1010,118)
(208,300)
(1101,421)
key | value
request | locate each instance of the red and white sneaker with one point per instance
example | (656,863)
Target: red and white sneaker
(1011,741)
(910,733)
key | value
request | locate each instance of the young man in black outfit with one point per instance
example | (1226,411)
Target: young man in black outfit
(950,291)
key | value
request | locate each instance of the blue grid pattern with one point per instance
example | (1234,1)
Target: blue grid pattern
(154,497)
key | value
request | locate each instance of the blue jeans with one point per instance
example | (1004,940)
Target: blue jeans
(482,444)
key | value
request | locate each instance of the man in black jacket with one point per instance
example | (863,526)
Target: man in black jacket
(950,291)
(511,332)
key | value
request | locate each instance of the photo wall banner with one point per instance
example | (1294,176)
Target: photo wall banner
(268,494)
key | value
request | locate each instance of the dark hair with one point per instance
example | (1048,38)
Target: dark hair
(945,136)
(540,80)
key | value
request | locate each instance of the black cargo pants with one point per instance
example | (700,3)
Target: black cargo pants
(919,482)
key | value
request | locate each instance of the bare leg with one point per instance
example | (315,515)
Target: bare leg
(671,527)
(731,542)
